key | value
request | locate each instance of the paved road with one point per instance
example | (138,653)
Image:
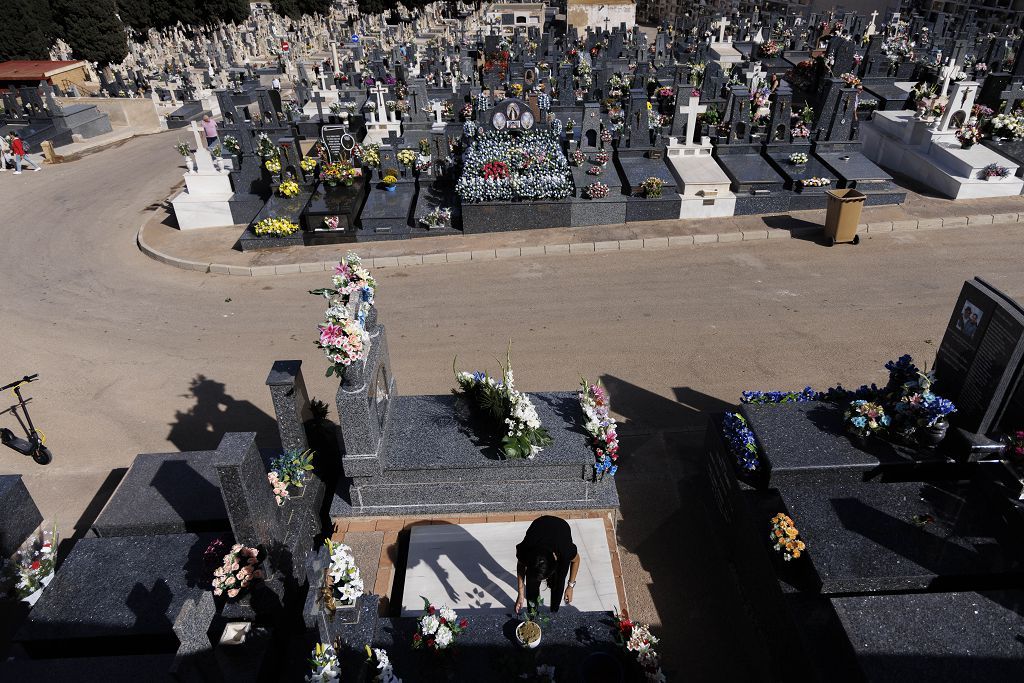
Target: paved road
(139,357)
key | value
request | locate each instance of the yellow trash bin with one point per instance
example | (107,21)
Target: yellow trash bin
(842,215)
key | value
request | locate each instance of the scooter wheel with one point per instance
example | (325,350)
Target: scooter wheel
(42,455)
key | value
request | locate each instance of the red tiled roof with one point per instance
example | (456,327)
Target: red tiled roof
(25,70)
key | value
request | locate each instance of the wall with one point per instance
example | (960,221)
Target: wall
(137,114)
(582,15)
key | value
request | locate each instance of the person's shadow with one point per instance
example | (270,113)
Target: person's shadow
(215,413)
(471,559)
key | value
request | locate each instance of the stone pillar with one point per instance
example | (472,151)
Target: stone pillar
(364,401)
(247,495)
(291,403)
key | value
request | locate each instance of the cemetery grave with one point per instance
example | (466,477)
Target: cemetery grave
(906,514)
(211,565)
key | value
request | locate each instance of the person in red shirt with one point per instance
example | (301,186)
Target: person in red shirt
(18,150)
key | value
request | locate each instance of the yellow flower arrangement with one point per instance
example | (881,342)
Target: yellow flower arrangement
(407,157)
(390,180)
(288,188)
(273,165)
(275,227)
(784,537)
(308,164)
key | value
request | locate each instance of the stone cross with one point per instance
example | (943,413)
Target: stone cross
(436,107)
(692,110)
(722,23)
(753,76)
(380,91)
(947,73)
(1012,95)
(204,162)
(319,100)
(871,30)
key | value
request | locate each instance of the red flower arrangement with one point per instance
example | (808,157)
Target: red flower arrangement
(496,170)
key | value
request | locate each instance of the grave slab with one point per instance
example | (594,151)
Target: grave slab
(113,594)
(21,517)
(166,493)
(472,567)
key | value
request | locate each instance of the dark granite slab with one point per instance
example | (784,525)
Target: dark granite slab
(793,173)
(802,439)
(290,208)
(20,517)
(437,433)
(527,215)
(638,168)
(388,213)
(343,202)
(894,536)
(165,493)
(852,166)
(750,204)
(609,210)
(749,172)
(937,636)
(890,97)
(1011,149)
(609,177)
(113,594)
(114,669)
(663,208)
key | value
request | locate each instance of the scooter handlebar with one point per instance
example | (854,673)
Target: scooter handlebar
(23,380)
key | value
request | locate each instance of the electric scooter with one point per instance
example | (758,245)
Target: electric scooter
(34,444)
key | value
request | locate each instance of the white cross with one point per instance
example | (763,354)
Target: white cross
(692,109)
(752,75)
(437,108)
(947,73)
(722,23)
(380,91)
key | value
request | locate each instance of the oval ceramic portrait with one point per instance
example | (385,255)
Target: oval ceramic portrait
(498,121)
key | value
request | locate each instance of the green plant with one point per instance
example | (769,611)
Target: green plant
(291,467)
(424,146)
(391,171)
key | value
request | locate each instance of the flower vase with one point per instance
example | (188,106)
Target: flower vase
(348,182)
(331,183)
(859,440)
(966,145)
(531,645)
(32,598)
(390,188)
(930,437)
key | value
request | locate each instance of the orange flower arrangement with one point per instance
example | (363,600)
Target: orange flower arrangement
(784,536)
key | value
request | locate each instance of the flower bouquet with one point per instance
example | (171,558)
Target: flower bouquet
(785,537)
(798,158)
(993,171)
(637,639)
(595,191)
(665,93)
(406,157)
(968,135)
(651,187)
(343,338)
(507,409)
(739,439)
(577,157)
(601,426)
(275,227)
(437,218)
(815,182)
(183,149)
(324,665)
(288,188)
(264,146)
(438,628)
(370,106)
(289,469)
(595,170)
(1008,126)
(864,418)
(308,164)
(379,660)
(423,163)
(342,582)
(331,223)
(850,80)
(231,144)
(31,568)
(515,89)
(467,111)
(601,158)
(237,571)
(800,130)
(771,48)
(606,135)
(273,165)
(371,156)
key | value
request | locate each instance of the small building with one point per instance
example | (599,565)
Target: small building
(508,16)
(27,73)
(599,14)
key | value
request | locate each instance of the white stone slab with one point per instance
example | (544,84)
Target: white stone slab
(473,566)
(191,211)
(725,53)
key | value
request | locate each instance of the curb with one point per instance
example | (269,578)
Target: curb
(647,244)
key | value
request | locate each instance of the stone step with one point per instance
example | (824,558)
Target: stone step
(469,497)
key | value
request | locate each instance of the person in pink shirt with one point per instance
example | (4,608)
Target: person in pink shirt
(210,129)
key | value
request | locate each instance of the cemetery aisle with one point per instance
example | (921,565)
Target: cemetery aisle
(138,357)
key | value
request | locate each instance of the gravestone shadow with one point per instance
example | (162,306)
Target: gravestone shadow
(798,228)
(645,411)
(473,570)
(92,511)
(214,414)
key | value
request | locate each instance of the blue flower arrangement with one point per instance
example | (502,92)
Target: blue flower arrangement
(740,441)
(764,397)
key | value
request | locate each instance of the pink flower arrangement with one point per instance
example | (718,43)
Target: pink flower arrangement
(280,488)
(237,571)
(601,158)
(602,428)
(594,170)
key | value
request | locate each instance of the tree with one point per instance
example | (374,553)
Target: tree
(297,8)
(28,30)
(92,29)
(228,11)
(135,13)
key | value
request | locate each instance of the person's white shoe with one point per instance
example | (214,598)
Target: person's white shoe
(17,173)
(37,169)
